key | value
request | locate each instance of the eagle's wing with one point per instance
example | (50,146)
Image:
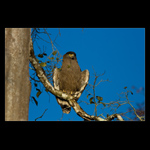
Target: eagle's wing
(84,82)
(66,108)
(56,78)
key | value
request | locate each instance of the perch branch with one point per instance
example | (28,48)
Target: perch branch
(71,99)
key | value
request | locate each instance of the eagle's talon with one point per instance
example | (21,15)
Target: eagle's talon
(64,91)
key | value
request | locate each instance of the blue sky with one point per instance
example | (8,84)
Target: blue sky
(120,52)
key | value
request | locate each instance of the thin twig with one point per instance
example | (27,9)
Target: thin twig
(126,94)
(41,115)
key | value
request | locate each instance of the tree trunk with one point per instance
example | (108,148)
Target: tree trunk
(17,83)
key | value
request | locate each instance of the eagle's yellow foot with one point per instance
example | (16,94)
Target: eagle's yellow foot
(72,93)
(64,91)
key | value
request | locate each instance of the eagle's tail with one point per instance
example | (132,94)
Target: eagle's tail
(66,108)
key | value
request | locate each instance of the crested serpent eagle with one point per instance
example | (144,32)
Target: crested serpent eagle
(70,79)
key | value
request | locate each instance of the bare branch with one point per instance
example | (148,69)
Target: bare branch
(135,111)
(41,115)
(71,99)
(111,117)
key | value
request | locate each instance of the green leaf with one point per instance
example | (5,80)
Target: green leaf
(38,93)
(54,52)
(99,98)
(36,102)
(91,100)
(43,64)
(88,96)
(103,104)
(35,84)
(51,58)
(46,90)
(45,54)
(40,55)
(57,59)
(37,89)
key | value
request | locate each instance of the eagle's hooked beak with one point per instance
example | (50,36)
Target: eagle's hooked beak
(71,55)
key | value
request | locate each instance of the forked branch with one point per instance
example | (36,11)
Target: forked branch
(71,99)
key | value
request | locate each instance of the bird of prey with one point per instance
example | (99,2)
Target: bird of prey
(70,79)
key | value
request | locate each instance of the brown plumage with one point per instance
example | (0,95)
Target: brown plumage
(69,79)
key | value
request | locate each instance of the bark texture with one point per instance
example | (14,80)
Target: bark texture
(17,83)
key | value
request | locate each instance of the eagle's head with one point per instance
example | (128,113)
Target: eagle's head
(70,55)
